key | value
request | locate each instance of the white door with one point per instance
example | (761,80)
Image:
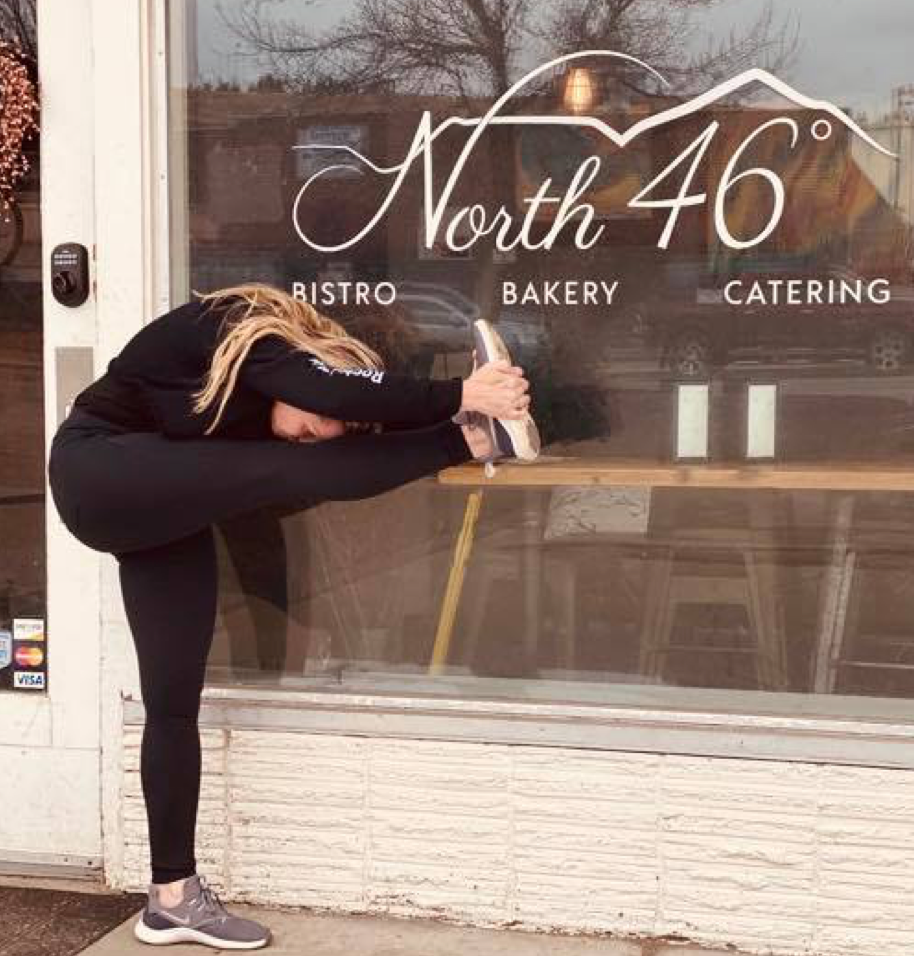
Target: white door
(49,738)
(98,187)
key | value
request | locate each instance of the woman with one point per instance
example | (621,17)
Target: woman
(247,398)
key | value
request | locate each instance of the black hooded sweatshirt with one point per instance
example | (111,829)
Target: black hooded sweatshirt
(149,385)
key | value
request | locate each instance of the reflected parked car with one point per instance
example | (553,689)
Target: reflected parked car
(443,317)
(711,333)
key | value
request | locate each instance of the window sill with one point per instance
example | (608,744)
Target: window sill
(855,741)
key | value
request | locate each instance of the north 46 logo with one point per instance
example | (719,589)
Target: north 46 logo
(511,229)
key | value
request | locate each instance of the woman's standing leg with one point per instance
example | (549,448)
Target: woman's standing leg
(170,598)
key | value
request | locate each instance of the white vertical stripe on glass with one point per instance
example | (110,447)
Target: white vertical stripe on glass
(692,421)
(761,413)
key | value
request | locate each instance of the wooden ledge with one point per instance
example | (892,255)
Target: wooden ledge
(561,472)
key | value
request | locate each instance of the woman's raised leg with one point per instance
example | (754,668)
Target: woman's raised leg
(140,490)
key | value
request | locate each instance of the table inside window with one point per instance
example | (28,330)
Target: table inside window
(844,478)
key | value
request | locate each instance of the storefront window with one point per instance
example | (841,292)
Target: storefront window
(693,225)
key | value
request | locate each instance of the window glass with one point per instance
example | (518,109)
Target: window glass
(23,643)
(692,224)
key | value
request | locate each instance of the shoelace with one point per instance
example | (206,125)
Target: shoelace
(211,897)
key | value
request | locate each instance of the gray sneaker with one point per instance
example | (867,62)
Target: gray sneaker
(512,437)
(200,917)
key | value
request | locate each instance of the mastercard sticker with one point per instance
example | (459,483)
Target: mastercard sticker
(28,656)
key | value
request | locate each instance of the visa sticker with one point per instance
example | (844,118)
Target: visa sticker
(28,680)
(28,629)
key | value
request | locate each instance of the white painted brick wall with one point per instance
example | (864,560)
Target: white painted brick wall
(783,858)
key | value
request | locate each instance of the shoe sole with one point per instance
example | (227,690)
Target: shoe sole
(524,434)
(179,934)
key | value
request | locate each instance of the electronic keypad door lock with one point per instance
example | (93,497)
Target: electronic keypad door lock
(70,273)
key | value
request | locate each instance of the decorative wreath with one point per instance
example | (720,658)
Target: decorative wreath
(19,108)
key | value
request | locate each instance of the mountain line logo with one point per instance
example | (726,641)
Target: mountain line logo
(568,208)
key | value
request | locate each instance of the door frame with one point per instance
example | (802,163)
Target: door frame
(132,287)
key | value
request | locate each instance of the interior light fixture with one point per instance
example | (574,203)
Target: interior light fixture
(580,90)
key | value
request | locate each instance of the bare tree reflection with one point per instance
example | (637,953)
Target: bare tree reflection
(471,48)
(663,33)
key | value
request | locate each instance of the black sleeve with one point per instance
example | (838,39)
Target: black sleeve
(277,369)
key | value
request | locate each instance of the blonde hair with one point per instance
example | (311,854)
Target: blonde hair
(254,310)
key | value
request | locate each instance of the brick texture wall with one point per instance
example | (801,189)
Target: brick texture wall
(783,858)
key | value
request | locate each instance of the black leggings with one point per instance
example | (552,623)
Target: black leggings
(151,502)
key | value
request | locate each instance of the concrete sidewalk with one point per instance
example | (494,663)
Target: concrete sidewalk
(309,934)
(304,933)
